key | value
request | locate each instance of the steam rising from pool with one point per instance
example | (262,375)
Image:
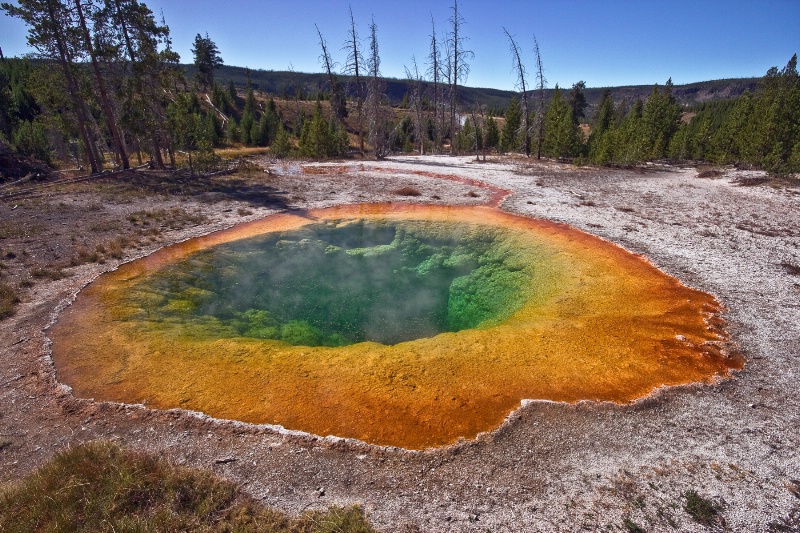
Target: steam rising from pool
(409,326)
(342,282)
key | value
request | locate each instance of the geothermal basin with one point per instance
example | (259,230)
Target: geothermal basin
(401,325)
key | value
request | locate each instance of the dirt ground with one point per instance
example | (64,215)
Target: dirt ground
(550,467)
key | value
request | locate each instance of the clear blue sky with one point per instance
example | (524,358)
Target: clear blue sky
(604,42)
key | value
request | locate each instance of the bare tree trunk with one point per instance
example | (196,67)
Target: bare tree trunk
(354,60)
(518,66)
(337,102)
(156,147)
(454,80)
(540,82)
(415,80)
(460,68)
(72,86)
(434,72)
(475,144)
(375,116)
(105,103)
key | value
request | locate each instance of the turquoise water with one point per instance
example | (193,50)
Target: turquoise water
(342,282)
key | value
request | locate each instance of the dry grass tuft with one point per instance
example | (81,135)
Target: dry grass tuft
(102,487)
(47,273)
(8,298)
(709,174)
(114,248)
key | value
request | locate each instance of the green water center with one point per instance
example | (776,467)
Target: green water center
(342,282)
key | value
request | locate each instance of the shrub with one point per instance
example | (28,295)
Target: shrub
(102,487)
(702,510)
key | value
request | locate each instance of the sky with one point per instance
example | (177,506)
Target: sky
(602,42)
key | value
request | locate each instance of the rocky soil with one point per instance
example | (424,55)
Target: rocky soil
(551,466)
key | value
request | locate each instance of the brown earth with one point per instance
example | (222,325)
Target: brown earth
(550,466)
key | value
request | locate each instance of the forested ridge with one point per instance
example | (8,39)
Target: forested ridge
(104,89)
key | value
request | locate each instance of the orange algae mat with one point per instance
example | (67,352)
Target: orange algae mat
(600,324)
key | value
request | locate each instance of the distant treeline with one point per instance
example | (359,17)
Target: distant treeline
(105,86)
(290,85)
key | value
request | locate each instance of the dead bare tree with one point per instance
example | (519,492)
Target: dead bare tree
(337,98)
(434,73)
(446,74)
(353,66)
(376,119)
(519,68)
(460,68)
(416,105)
(479,110)
(541,83)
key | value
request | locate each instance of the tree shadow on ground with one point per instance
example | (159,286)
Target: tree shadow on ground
(208,189)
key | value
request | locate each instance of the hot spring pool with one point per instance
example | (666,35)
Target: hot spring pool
(399,325)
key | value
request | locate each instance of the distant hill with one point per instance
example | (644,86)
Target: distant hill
(287,83)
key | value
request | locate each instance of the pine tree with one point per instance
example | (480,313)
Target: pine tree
(660,121)
(52,32)
(232,92)
(281,146)
(248,122)
(561,134)
(577,102)
(629,144)
(730,140)
(492,134)
(206,60)
(777,119)
(601,149)
(321,138)
(508,138)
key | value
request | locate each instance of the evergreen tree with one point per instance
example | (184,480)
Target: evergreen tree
(681,145)
(321,138)
(465,137)
(206,60)
(245,129)
(53,33)
(660,121)
(561,134)
(508,138)
(577,102)
(775,124)
(281,146)
(601,149)
(30,139)
(5,104)
(492,134)
(233,131)
(629,144)
(248,122)
(730,140)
